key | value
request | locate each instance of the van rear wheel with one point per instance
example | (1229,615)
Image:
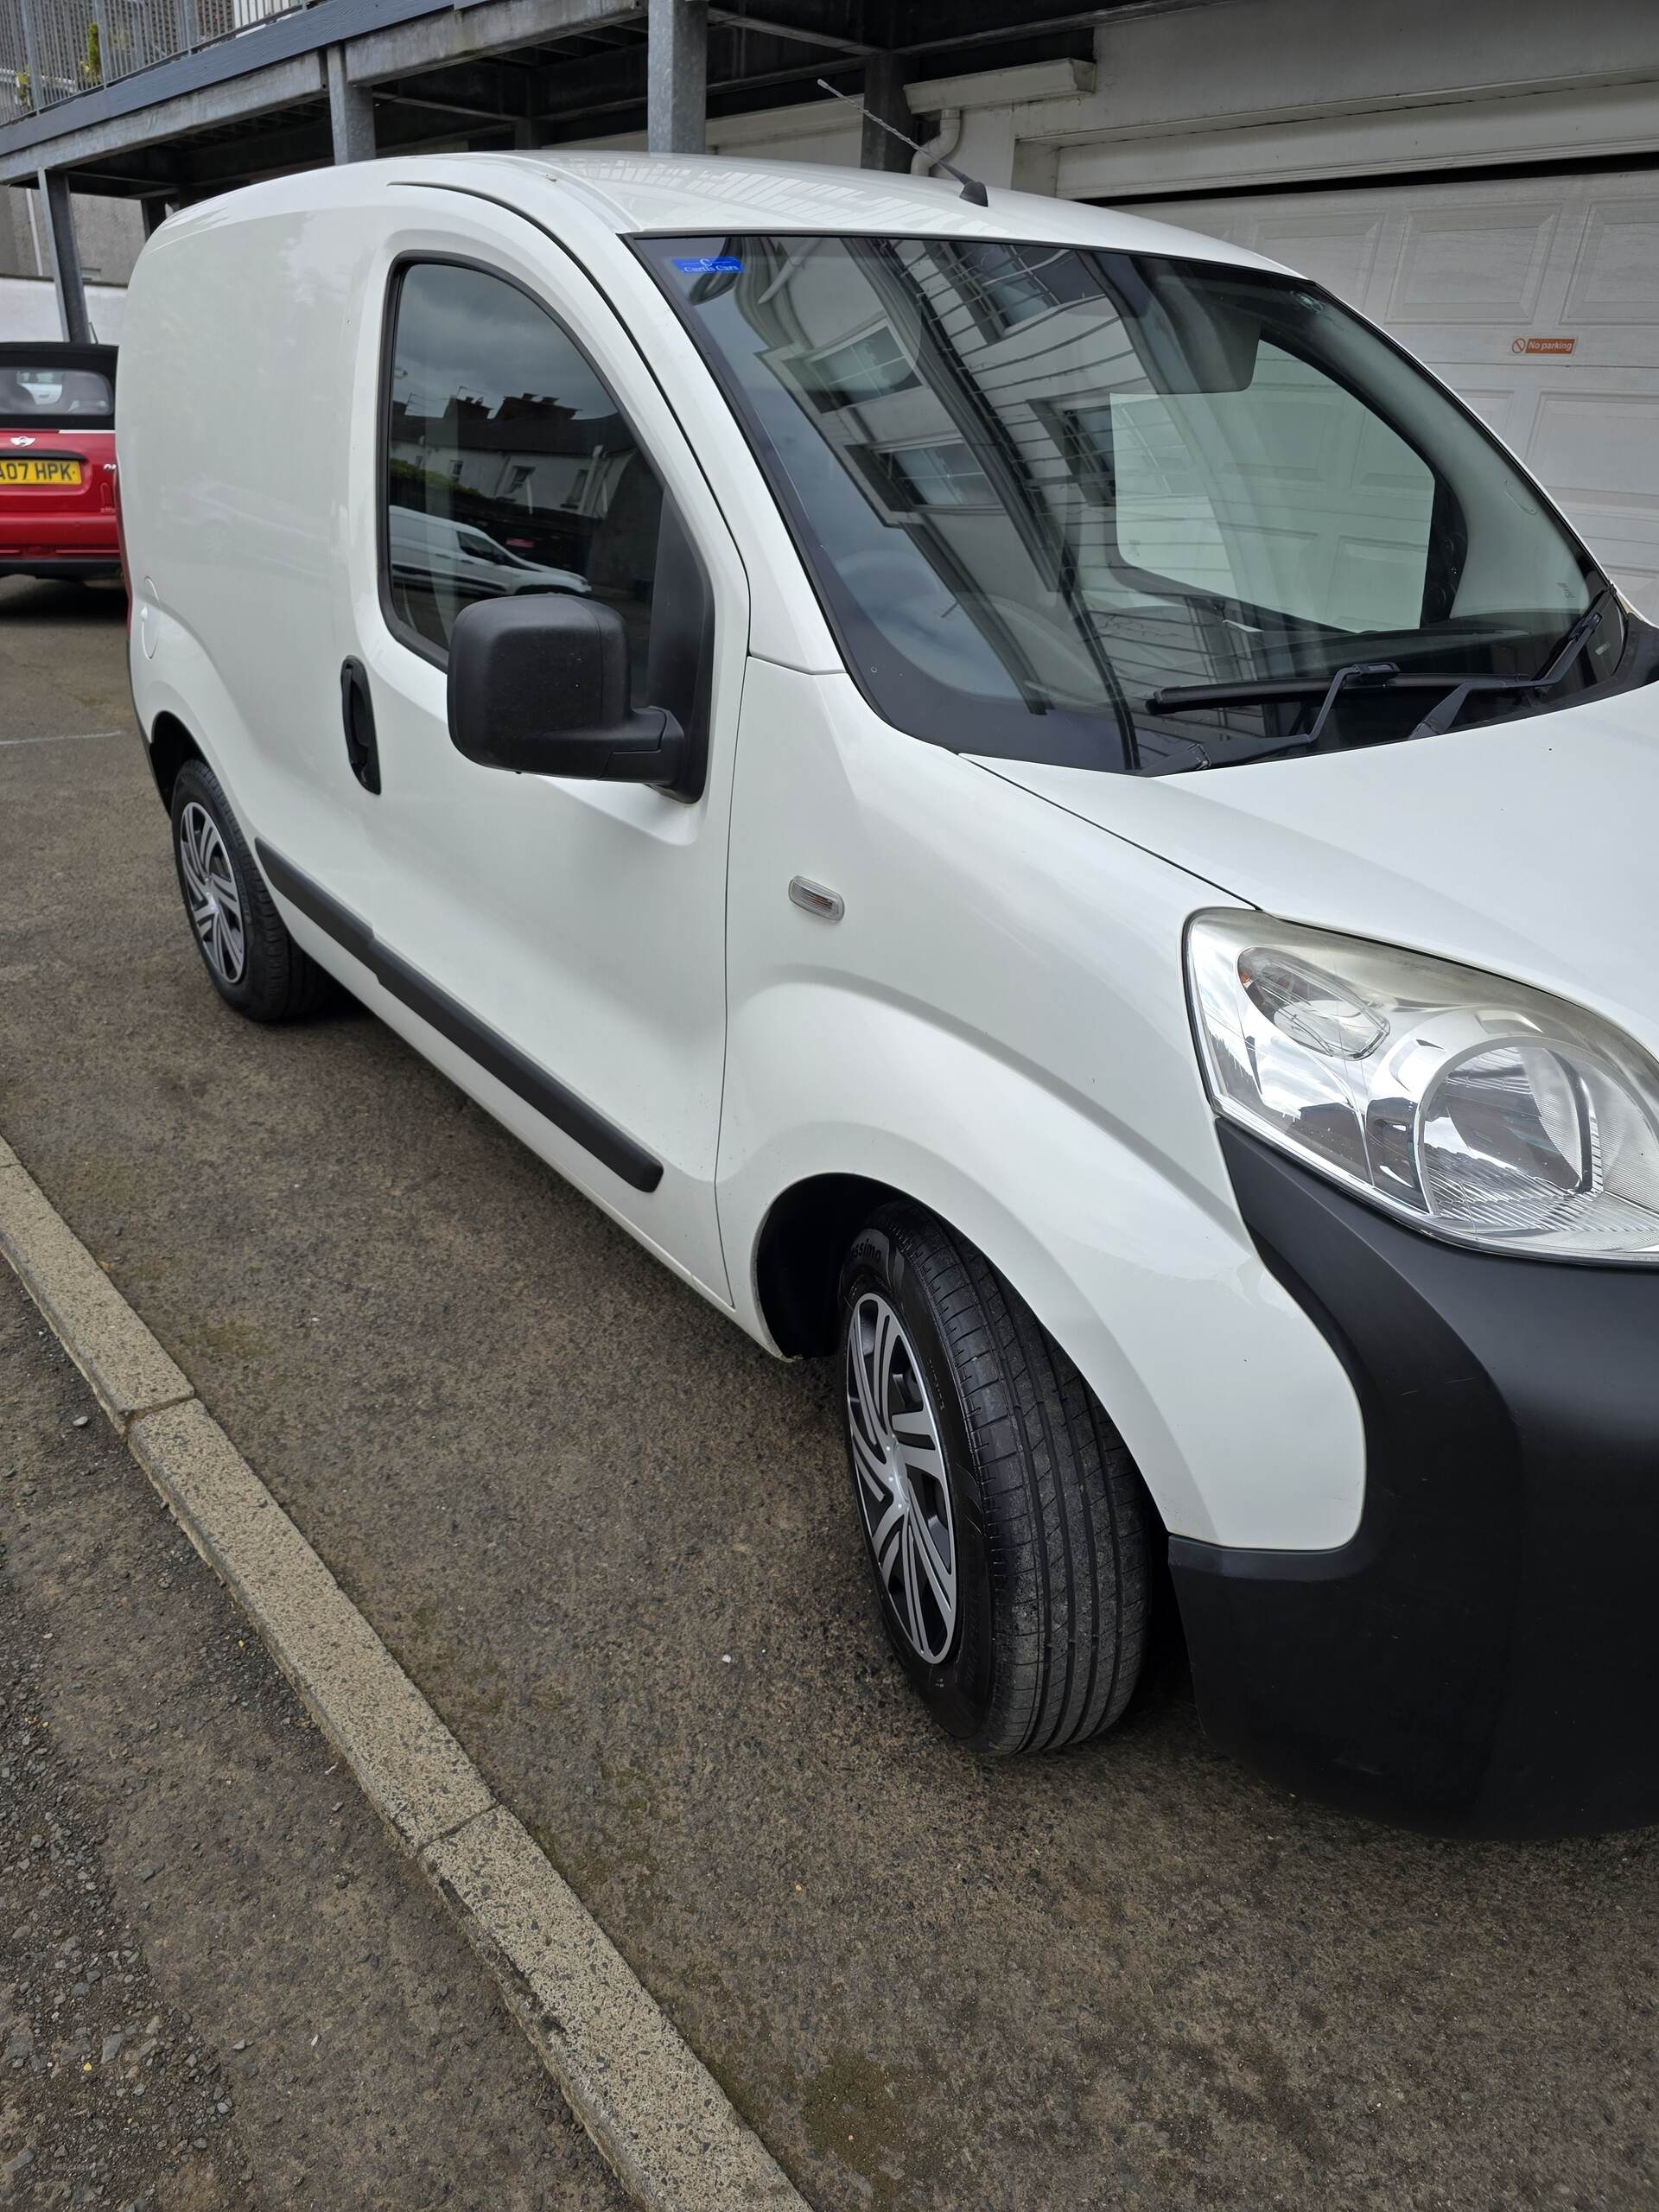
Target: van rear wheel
(251,961)
(1002,1516)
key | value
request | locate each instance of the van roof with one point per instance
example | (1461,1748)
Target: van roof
(634,194)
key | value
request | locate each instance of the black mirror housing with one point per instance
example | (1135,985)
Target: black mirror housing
(538,684)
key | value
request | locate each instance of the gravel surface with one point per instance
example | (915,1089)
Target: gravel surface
(108,2096)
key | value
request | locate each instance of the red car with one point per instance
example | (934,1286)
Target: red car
(57,461)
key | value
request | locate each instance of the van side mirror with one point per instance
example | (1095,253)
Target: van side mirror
(538,684)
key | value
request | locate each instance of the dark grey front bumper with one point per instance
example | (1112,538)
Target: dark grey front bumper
(1483,1658)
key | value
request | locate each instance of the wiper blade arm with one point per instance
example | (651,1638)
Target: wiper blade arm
(1439,718)
(1386,675)
(1369,674)
(1577,638)
(1372,675)
(1251,691)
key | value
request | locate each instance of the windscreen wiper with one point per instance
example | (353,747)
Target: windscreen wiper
(1383,676)
(1250,691)
(1440,718)
(1354,674)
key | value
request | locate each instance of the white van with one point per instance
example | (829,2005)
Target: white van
(1089,848)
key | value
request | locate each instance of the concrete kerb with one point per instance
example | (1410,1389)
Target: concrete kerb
(630,2079)
(655,2113)
(414,1771)
(130,1373)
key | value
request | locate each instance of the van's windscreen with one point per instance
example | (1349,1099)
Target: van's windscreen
(1039,489)
(49,395)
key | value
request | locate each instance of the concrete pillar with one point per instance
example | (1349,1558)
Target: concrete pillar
(156,211)
(526,136)
(351,112)
(884,102)
(14,229)
(677,76)
(64,256)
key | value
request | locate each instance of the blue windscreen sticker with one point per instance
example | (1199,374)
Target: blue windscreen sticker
(708,264)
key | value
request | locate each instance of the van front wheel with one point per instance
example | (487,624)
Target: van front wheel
(251,961)
(1002,1516)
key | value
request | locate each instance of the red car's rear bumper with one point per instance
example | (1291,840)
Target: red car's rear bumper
(40,543)
(60,529)
(67,566)
(51,565)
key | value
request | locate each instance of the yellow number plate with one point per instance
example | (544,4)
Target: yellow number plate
(35,468)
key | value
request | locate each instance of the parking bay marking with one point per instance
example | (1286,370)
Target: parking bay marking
(66,737)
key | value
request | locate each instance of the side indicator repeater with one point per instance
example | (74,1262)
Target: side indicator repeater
(813,899)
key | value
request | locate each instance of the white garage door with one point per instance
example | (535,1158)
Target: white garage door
(1537,301)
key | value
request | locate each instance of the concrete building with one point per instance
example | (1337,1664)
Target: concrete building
(1483,180)
(108,231)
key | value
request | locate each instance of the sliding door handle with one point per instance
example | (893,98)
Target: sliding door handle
(357,714)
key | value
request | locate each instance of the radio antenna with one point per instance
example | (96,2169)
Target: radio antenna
(972,190)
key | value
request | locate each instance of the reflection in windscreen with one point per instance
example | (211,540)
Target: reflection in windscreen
(1037,486)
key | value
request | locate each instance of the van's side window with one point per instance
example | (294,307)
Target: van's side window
(509,465)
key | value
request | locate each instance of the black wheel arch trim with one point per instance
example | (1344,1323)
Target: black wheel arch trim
(519,1074)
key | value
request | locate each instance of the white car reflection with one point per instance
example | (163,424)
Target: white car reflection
(431,548)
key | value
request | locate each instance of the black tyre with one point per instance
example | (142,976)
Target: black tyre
(252,962)
(1003,1517)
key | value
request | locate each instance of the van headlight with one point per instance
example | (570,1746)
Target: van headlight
(1478,1109)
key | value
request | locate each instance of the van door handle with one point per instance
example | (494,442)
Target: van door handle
(357,714)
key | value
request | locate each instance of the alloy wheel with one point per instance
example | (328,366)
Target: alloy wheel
(903,1490)
(211,893)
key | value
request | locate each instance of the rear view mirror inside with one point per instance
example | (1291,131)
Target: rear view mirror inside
(1192,338)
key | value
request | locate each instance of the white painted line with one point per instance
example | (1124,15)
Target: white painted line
(68,737)
(657,2114)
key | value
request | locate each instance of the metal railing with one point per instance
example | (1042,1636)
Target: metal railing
(56,50)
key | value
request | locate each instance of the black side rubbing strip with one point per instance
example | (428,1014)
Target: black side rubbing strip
(521,1075)
(316,906)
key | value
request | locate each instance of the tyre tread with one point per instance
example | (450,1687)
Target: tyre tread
(1065,1521)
